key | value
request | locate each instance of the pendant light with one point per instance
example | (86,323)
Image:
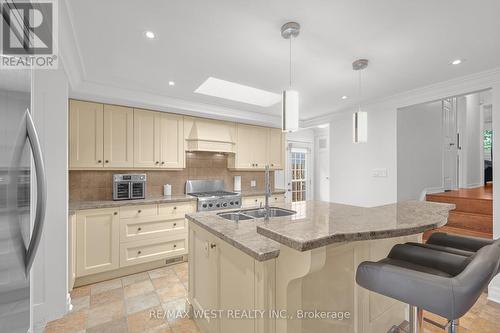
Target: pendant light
(359,118)
(290,101)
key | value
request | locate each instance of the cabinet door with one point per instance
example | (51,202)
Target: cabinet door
(97,241)
(85,134)
(146,139)
(276,149)
(118,136)
(204,276)
(244,158)
(71,252)
(259,141)
(171,141)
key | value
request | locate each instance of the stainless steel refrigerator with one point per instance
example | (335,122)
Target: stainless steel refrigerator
(22,199)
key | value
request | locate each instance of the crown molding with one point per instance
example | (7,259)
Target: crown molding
(458,86)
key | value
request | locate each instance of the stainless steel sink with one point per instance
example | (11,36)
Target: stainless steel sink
(273,212)
(235,216)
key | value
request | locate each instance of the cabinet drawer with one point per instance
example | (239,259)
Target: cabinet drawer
(138,211)
(277,199)
(176,210)
(136,229)
(252,201)
(137,252)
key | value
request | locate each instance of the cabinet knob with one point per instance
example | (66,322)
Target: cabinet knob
(175,207)
(272,164)
(157,162)
(106,161)
(115,213)
(213,245)
(99,161)
(175,224)
(175,245)
(139,211)
(162,163)
(139,229)
(139,252)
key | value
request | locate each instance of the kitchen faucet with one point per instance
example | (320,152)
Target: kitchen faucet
(267,193)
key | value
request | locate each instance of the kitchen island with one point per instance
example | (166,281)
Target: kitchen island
(297,273)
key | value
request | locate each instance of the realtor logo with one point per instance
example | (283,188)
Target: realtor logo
(29,34)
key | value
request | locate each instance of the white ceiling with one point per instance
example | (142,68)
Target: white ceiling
(409,44)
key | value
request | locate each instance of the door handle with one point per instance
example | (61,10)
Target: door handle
(41,192)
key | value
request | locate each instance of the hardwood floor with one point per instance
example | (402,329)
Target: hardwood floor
(473,215)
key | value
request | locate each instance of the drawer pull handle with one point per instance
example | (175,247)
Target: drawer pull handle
(115,213)
(139,211)
(213,245)
(139,229)
(139,252)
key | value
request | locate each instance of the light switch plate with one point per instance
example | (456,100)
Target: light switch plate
(253,183)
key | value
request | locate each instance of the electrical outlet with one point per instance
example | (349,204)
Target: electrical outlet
(379,173)
(253,183)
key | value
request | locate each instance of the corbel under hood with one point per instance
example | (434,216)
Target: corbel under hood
(209,135)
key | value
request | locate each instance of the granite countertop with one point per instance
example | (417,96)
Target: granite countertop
(318,224)
(79,205)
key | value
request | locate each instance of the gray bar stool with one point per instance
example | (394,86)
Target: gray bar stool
(461,245)
(443,283)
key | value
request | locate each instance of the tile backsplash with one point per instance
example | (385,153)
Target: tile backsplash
(97,185)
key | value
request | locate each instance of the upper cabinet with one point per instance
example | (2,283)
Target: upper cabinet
(118,136)
(86,134)
(158,140)
(257,146)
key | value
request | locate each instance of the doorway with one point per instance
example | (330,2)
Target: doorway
(299,161)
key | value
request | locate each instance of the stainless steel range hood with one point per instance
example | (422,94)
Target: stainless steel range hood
(209,135)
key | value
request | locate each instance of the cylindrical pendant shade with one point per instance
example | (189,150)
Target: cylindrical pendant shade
(290,111)
(360,127)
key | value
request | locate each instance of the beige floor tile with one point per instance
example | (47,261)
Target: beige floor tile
(72,323)
(80,292)
(80,303)
(184,326)
(134,278)
(171,292)
(106,297)
(164,271)
(138,288)
(165,281)
(146,320)
(105,313)
(105,286)
(141,302)
(115,326)
(175,310)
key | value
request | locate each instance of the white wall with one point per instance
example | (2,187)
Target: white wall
(420,150)
(49,273)
(322,165)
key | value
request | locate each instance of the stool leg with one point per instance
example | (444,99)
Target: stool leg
(416,320)
(453,326)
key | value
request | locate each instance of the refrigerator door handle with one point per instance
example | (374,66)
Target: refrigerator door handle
(41,192)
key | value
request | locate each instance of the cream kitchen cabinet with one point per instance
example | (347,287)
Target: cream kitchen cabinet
(86,136)
(97,241)
(257,146)
(118,136)
(71,251)
(276,149)
(259,200)
(158,140)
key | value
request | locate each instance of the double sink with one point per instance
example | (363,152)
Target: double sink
(255,213)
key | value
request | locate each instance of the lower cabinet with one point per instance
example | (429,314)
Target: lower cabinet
(97,241)
(113,238)
(260,200)
(220,277)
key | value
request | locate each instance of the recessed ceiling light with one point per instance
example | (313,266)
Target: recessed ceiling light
(344,97)
(171,83)
(323,126)
(150,34)
(237,92)
(456,62)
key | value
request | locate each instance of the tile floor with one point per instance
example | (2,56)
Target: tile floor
(125,305)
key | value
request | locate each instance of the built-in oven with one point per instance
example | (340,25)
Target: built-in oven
(129,186)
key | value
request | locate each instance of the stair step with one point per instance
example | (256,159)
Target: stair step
(471,221)
(469,205)
(457,231)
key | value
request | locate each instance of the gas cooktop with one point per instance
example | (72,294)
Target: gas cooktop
(211,195)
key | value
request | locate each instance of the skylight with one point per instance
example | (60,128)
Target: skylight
(237,92)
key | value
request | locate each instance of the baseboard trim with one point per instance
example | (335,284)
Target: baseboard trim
(430,190)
